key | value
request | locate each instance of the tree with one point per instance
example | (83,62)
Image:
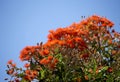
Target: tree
(86,51)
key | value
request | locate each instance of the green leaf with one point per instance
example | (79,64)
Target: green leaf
(56,50)
(89,76)
(23,80)
(118,73)
(20,75)
(110,79)
(107,55)
(59,56)
(42,72)
(99,75)
(57,78)
(95,66)
(104,68)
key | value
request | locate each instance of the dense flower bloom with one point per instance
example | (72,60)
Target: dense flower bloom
(44,52)
(30,74)
(28,51)
(85,51)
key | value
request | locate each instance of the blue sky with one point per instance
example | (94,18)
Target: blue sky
(26,22)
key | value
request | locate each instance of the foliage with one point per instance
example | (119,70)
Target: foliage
(88,51)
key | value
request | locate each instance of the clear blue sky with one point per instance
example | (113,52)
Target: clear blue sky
(26,22)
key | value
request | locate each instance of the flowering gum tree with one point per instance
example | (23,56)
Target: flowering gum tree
(87,51)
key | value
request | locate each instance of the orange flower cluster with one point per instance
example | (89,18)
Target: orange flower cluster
(28,52)
(69,37)
(11,64)
(11,67)
(30,75)
(50,61)
(75,35)
(44,52)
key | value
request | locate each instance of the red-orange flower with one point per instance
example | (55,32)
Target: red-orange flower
(10,71)
(50,57)
(28,78)
(44,52)
(52,65)
(27,72)
(44,61)
(10,62)
(27,65)
(78,39)
(55,60)
(13,65)
(30,74)
(110,70)
(25,52)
